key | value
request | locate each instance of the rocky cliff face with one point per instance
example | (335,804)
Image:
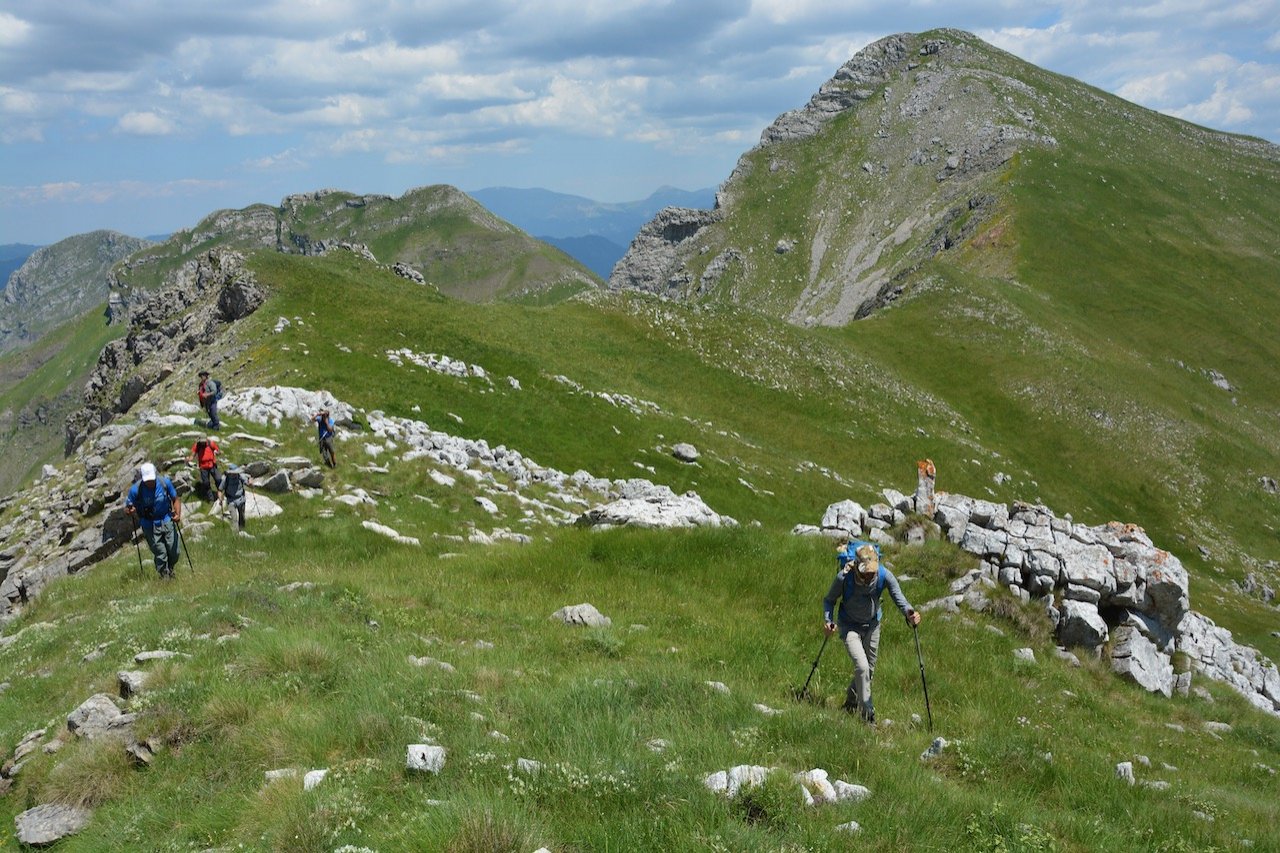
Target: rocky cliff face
(893,160)
(60,282)
(207,295)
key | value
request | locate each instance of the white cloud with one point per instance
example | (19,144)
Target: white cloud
(100,192)
(13,30)
(1273,43)
(145,124)
(17,102)
(288,159)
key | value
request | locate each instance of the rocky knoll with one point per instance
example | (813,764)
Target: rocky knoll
(435,234)
(60,282)
(1107,589)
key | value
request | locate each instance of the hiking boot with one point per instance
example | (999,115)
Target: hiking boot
(868,714)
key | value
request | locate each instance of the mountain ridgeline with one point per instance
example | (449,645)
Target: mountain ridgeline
(454,243)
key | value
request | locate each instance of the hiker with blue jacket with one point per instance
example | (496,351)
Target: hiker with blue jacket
(154,505)
(857,586)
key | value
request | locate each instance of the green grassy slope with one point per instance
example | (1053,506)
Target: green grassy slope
(320,678)
(42,385)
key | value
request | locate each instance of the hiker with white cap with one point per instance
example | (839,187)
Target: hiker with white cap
(857,586)
(154,505)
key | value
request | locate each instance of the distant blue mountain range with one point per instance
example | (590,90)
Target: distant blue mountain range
(596,233)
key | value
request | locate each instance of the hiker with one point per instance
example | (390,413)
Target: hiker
(926,474)
(205,454)
(233,493)
(209,393)
(154,506)
(857,586)
(325,433)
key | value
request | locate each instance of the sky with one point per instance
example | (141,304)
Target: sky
(144,115)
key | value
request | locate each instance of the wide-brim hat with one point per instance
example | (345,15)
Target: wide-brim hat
(868,561)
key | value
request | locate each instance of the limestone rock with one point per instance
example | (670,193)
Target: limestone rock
(582,614)
(736,778)
(277,483)
(131,682)
(98,717)
(657,507)
(845,518)
(1135,656)
(685,452)
(48,824)
(1124,772)
(425,757)
(1081,625)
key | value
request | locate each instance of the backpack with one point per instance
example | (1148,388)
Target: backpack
(217,388)
(849,553)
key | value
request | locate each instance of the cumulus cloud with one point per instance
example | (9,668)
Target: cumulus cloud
(427,81)
(13,30)
(145,124)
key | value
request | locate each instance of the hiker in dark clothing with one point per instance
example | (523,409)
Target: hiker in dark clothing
(155,507)
(205,454)
(324,434)
(857,586)
(209,393)
(233,493)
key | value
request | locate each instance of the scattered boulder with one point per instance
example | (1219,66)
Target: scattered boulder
(313,778)
(582,614)
(425,757)
(655,507)
(685,452)
(935,749)
(48,824)
(277,483)
(98,717)
(1124,772)
(1025,655)
(390,533)
(132,682)
(735,779)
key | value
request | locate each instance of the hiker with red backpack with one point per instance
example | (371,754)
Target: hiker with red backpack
(857,586)
(205,454)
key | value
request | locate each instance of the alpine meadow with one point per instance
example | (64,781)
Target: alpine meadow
(1063,300)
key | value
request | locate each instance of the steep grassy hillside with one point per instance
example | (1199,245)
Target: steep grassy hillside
(39,387)
(455,243)
(1087,284)
(321,677)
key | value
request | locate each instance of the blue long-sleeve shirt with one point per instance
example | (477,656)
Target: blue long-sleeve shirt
(859,602)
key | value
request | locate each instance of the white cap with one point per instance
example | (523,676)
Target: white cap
(147,472)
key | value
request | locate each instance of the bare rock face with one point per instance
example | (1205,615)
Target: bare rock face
(189,313)
(648,263)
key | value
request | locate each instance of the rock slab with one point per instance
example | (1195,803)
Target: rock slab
(50,823)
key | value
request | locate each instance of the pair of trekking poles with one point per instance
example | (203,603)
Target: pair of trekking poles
(804,691)
(182,542)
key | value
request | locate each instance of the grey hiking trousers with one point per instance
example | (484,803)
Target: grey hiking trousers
(162,539)
(862,642)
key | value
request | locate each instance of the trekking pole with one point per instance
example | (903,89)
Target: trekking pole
(923,683)
(804,691)
(182,541)
(137,527)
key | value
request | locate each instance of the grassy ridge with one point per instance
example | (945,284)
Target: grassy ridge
(321,677)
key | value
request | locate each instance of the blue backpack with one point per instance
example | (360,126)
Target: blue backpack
(849,554)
